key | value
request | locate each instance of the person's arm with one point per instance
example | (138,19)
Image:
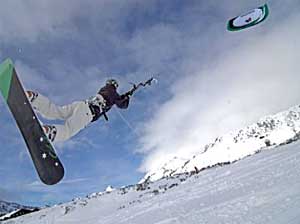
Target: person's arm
(122,101)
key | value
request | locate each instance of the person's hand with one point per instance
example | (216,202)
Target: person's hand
(129,93)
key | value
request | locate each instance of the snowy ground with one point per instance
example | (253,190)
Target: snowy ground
(264,188)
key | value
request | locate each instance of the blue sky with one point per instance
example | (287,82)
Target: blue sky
(210,82)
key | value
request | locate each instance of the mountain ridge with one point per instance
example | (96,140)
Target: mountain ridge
(269,131)
(7,207)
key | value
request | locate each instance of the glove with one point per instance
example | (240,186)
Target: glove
(125,96)
(129,93)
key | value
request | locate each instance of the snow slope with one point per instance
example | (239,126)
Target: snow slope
(271,130)
(263,188)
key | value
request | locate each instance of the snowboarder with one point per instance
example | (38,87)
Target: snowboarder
(79,114)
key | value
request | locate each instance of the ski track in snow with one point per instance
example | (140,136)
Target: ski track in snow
(264,188)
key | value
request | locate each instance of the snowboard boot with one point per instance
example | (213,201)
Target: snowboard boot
(50,132)
(31,95)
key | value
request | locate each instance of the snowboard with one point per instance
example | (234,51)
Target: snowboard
(45,160)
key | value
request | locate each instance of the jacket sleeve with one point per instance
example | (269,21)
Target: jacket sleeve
(122,101)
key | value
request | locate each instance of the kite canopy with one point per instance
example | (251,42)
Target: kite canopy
(251,18)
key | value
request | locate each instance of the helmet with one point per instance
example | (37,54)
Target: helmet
(112,82)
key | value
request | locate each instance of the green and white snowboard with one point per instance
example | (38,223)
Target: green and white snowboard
(46,162)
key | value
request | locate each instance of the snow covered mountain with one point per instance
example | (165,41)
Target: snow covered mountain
(6,207)
(263,188)
(269,131)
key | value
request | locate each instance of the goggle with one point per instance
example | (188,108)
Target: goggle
(115,84)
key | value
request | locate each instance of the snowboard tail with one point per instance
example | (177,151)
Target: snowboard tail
(46,162)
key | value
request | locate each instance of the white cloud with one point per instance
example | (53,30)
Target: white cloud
(256,77)
(61,84)
(32,20)
(30,77)
(156,47)
(27,20)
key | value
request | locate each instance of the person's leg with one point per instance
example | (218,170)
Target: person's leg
(49,110)
(80,118)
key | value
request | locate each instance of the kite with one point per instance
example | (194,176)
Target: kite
(249,19)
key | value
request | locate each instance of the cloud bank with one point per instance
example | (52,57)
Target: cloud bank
(256,76)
